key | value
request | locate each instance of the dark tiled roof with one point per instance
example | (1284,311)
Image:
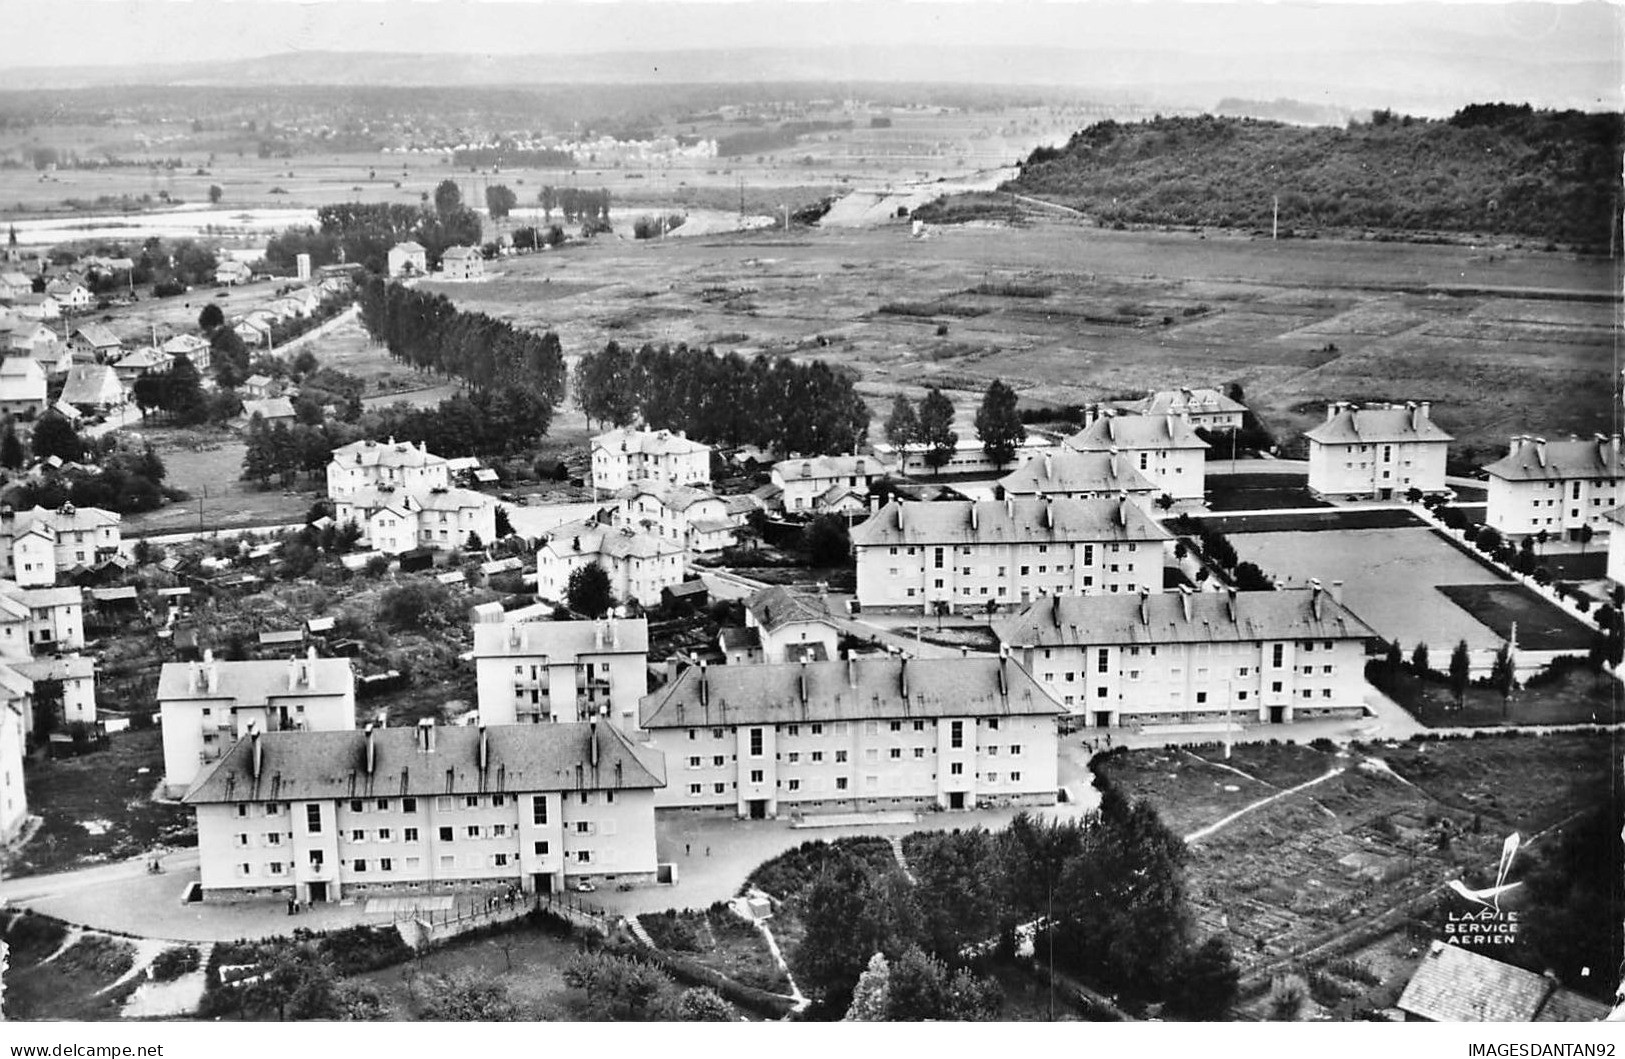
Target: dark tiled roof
(1067,471)
(1010,521)
(522,757)
(1454,984)
(776,607)
(1532,460)
(854,690)
(1367,426)
(1136,432)
(1118,619)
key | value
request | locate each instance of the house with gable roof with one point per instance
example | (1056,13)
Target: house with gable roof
(22,387)
(1164,448)
(1382,451)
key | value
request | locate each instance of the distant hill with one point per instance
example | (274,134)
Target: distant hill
(1492,169)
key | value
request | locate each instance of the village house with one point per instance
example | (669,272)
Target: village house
(14,708)
(231,272)
(1207,408)
(857,735)
(820,483)
(372,464)
(270,410)
(76,674)
(970,554)
(540,672)
(1165,448)
(205,706)
(408,259)
(969,457)
(625,457)
(253,332)
(139,362)
(394,520)
(1382,451)
(93,388)
(1558,486)
(462,263)
(38,543)
(693,518)
(1455,984)
(258,386)
(22,387)
(639,565)
(41,307)
(1077,475)
(788,626)
(192,347)
(51,619)
(14,285)
(330,816)
(31,338)
(71,295)
(96,343)
(1195,657)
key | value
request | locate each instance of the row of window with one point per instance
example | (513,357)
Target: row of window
(870,754)
(447,862)
(792,731)
(842,783)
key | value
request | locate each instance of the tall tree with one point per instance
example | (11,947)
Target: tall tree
(11,449)
(588,591)
(448,198)
(55,436)
(1419,658)
(937,427)
(500,201)
(210,317)
(902,425)
(998,425)
(1460,670)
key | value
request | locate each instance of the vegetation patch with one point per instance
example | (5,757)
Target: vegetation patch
(1541,626)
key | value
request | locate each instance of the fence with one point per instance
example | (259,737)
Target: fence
(425,926)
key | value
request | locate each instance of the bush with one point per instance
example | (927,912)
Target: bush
(358,949)
(172,963)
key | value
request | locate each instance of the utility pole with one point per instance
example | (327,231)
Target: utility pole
(1275,220)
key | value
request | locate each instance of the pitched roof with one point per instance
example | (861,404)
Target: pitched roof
(267,408)
(410,246)
(1069,471)
(622,542)
(389,453)
(648,442)
(777,606)
(674,497)
(1136,432)
(22,375)
(520,758)
(734,637)
(1012,520)
(1454,984)
(66,518)
(144,358)
(255,682)
(1535,460)
(1180,617)
(451,499)
(1196,400)
(98,335)
(71,667)
(829,467)
(561,639)
(856,689)
(187,344)
(460,253)
(92,384)
(1348,425)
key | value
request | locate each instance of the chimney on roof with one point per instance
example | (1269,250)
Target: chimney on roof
(1111,462)
(973,516)
(1424,412)
(592,741)
(1613,451)
(851,671)
(293,672)
(705,687)
(1111,429)
(1336,592)
(372,757)
(1332,408)
(1009,507)
(801,681)
(1314,597)
(1122,508)
(899,516)
(211,671)
(964,652)
(1004,682)
(1145,606)
(1231,593)
(1049,512)
(484,749)
(1185,601)
(1540,451)
(256,762)
(1055,611)
(194,677)
(902,676)
(1049,467)
(425,738)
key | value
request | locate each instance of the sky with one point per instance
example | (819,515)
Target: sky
(106,32)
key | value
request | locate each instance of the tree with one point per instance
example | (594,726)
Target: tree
(228,358)
(448,198)
(828,541)
(48,714)
(1503,675)
(1206,985)
(1584,535)
(702,1004)
(183,392)
(503,524)
(614,988)
(998,425)
(500,201)
(1419,658)
(210,317)
(588,591)
(55,436)
(849,913)
(902,425)
(473,543)
(215,193)
(11,449)
(463,996)
(936,427)
(1393,658)
(871,997)
(1460,670)
(1249,578)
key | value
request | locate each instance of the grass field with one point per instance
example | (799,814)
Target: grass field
(1540,625)
(1387,576)
(1575,698)
(1338,518)
(1258,492)
(69,988)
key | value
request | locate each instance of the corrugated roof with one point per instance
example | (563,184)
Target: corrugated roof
(1136,432)
(1067,471)
(253,683)
(1009,521)
(520,758)
(1455,985)
(1367,426)
(1160,618)
(853,690)
(1534,460)
(564,639)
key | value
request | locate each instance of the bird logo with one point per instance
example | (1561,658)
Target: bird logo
(1490,897)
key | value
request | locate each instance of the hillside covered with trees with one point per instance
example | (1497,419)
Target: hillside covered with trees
(1489,168)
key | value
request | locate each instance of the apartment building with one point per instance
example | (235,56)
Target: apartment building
(536,672)
(365,465)
(820,482)
(1556,486)
(696,519)
(1207,408)
(76,674)
(407,259)
(860,734)
(1164,448)
(37,544)
(1195,657)
(1382,451)
(206,706)
(330,816)
(639,565)
(624,456)
(393,521)
(972,553)
(1069,474)
(969,456)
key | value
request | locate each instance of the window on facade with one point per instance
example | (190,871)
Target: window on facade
(840,783)
(360,865)
(840,756)
(409,805)
(410,834)
(956,769)
(358,836)
(755,742)
(956,735)
(1277,655)
(313,818)
(756,775)
(445,834)
(355,807)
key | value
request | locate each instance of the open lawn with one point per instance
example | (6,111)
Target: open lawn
(98,807)
(1577,566)
(1540,625)
(1386,574)
(206,464)
(1258,492)
(68,988)
(1574,697)
(718,939)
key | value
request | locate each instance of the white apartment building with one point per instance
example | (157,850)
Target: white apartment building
(1556,486)
(1195,657)
(407,259)
(37,544)
(1381,451)
(968,457)
(393,521)
(855,735)
(1207,408)
(971,553)
(206,706)
(625,456)
(365,465)
(1164,448)
(1078,475)
(536,672)
(330,816)
(55,616)
(696,519)
(639,565)
(820,482)
(14,709)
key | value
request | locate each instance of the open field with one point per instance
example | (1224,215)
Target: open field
(1388,577)
(1324,863)
(1503,607)
(1257,492)
(1296,323)
(1573,698)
